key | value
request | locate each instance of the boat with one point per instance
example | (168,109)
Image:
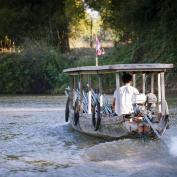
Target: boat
(89,109)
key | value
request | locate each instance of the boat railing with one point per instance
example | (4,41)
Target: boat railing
(95,98)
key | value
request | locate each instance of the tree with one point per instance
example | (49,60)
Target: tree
(39,19)
(139,19)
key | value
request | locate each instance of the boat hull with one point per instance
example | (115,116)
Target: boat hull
(111,127)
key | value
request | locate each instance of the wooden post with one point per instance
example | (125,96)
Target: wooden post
(100,90)
(163,93)
(81,95)
(143,82)
(89,95)
(159,93)
(74,82)
(152,83)
(96,61)
(117,81)
(71,87)
(134,80)
(117,89)
(74,89)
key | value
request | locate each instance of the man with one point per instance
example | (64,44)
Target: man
(122,100)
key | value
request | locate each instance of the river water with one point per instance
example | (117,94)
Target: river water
(36,142)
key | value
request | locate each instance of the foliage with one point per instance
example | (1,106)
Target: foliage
(37,69)
(144,30)
(85,27)
(39,20)
(140,20)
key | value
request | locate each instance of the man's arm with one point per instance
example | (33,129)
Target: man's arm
(136,91)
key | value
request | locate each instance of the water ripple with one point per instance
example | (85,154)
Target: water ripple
(36,142)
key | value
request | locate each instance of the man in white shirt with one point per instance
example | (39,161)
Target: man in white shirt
(122,99)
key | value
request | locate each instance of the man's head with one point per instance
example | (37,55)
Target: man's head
(126,78)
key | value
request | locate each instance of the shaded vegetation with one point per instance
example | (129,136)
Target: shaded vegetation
(150,25)
(36,70)
(144,32)
(40,19)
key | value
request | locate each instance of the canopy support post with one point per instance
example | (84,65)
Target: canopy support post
(159,94)
(117,88)
(72,88)
(89,95)
(134,80)
(163,93)
(144,82)
(100,90)
(152,83)
(81,95)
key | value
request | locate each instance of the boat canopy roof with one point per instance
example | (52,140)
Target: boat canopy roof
(155,67)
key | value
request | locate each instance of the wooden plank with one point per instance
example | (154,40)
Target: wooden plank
(121,67)
(91,72)
(159,93)
(152,83)
(163,93)
(143,83)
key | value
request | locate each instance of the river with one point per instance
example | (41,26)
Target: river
(36,142)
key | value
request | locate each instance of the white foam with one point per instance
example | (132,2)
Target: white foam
(173,146)
(170,140)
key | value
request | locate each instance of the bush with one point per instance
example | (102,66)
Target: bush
(36,70)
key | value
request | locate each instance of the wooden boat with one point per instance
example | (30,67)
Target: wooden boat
(89,111)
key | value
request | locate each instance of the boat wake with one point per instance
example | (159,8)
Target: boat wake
(173,146)
(170,140)
(121,149)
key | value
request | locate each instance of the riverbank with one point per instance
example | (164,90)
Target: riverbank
(38,69)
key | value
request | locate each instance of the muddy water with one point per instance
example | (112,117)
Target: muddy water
(36,142)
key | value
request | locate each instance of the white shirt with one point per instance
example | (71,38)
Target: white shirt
(123,97)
